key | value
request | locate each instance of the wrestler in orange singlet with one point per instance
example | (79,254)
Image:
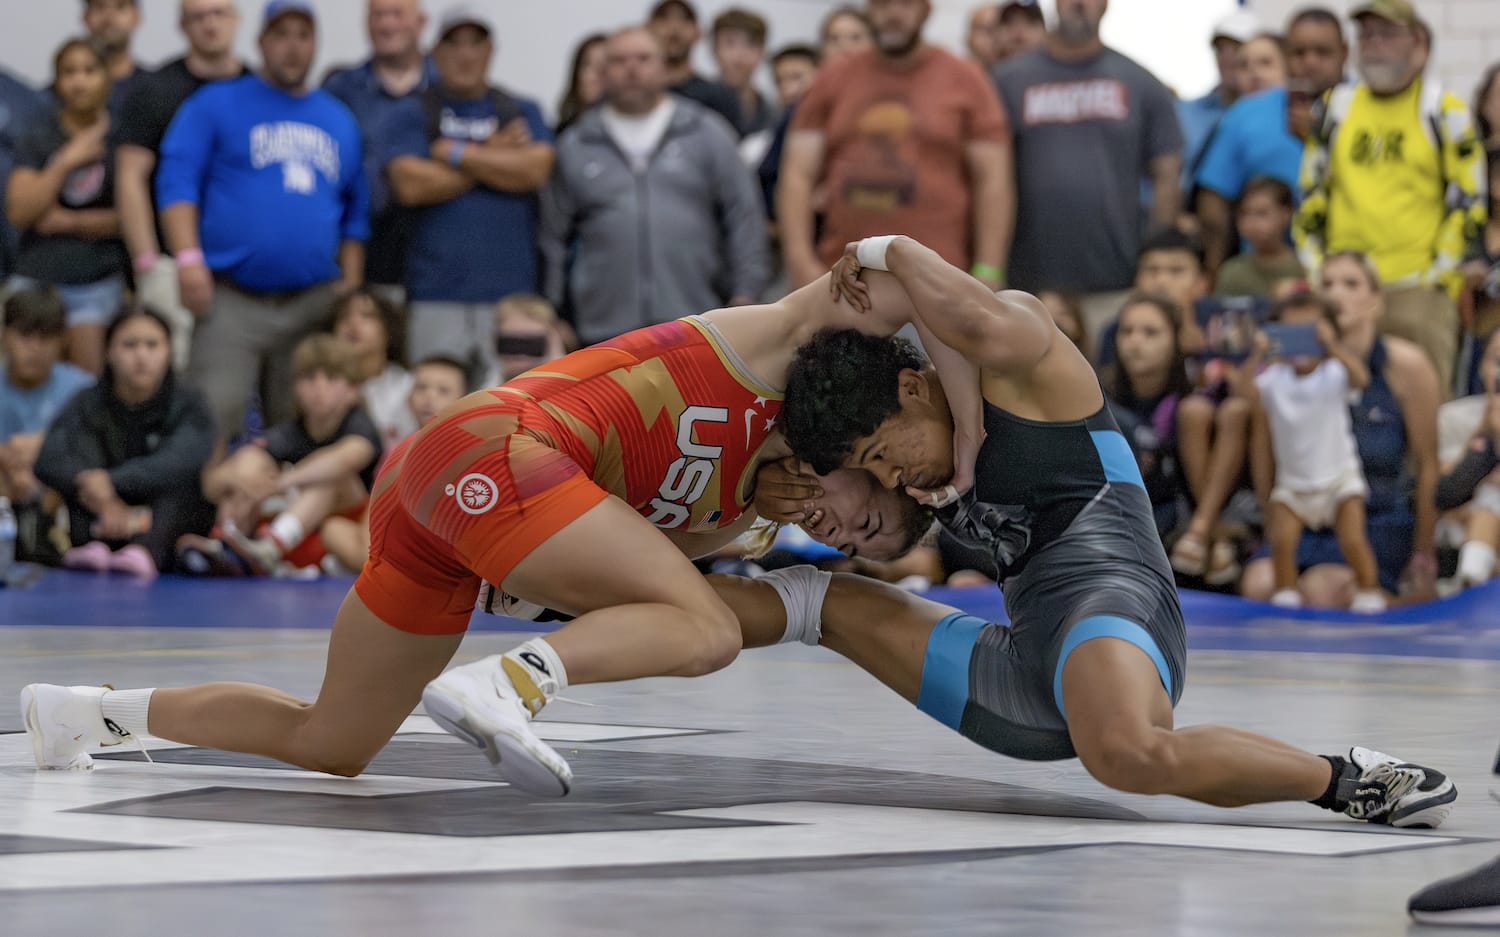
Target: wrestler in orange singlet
(475,491)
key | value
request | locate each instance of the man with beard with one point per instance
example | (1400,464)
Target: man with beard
(112,24)
(675,25)
(1021,28)
(904,137)
(1090,126)
(1258,136)
(1395,169)
(261,189)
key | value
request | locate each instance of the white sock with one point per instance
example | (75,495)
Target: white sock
(287,531)
(127,709)
(1287,598)
(801,589)
(1476,561)
(547,669)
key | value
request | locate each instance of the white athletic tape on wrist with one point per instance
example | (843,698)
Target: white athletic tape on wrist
(871,251)
(801,589)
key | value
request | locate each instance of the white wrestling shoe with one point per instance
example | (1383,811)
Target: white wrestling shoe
(1391,792)
(65,722)
(489,704)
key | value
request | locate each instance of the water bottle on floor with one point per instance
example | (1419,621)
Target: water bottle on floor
(7,540)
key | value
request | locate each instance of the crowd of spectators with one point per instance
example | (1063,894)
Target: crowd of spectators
(273,281)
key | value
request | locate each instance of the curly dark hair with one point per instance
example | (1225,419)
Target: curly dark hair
(841,386)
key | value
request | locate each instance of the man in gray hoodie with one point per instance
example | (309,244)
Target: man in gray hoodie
(650,214)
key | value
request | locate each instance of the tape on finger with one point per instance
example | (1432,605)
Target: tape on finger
(941,499)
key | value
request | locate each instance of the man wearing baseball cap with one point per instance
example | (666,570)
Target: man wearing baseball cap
(675,25)
(261,189)
(1397,172)
(469,159)
(1199,116)
(1021,28)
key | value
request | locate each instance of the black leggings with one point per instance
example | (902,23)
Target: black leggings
(172,515)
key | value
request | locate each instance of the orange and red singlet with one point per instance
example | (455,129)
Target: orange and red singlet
(667,419)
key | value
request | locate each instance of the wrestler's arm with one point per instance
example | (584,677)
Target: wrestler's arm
(1006,332)
(696,544)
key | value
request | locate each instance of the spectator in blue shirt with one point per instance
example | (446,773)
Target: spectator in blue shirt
(261,188)
(1252,141)
(34,385)
(471,157)
(396,71)
(1199,117)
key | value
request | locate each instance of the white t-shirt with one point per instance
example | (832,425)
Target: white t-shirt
(638,136)
(1312,436)
(385,400)
(1458,421)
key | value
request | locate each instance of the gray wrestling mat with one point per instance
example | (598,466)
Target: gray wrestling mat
(790,794)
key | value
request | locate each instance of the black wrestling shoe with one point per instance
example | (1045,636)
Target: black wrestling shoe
(205,556)
(1377,788)
(1472,898)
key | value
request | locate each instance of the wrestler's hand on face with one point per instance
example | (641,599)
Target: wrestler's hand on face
(845,283)
(785,492)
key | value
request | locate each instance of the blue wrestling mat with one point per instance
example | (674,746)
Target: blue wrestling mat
(1464,626)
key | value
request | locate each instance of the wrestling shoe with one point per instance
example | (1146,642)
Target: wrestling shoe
(261,555)
(494,600)
(206,556)
(489,704)
(1472,898)
(65,722)
(1380,789)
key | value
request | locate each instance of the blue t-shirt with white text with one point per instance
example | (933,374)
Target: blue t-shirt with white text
(481,246)
(278,180)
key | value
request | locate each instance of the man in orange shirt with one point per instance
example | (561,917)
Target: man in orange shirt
(904,138)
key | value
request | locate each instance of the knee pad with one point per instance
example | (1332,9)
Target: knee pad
(802,589)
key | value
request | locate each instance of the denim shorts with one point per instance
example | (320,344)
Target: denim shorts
(85,303)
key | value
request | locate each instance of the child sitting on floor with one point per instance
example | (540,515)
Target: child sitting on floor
(303,472)
(1304,407)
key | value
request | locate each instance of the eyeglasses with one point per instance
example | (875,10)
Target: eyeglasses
(1381,31)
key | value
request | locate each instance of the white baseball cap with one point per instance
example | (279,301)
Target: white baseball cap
(1241,26)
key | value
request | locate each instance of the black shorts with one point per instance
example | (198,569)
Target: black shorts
(1001,686)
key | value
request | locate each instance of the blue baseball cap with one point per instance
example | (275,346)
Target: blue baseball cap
(276,9)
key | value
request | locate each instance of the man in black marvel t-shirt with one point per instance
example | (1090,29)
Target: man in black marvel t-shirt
(209,26)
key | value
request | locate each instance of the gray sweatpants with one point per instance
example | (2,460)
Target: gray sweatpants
(462,331)
(249,337)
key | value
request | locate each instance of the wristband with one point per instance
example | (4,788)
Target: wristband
(145,262)
(456,153)
(871,251)
(988,272)
(192,257)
